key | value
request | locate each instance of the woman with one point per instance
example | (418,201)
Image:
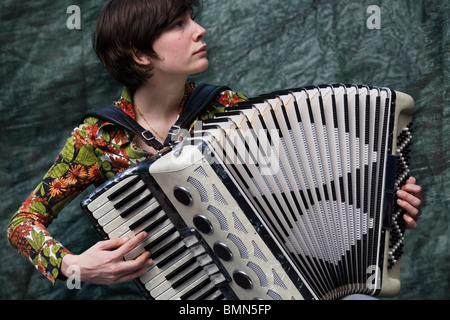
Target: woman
(151,47)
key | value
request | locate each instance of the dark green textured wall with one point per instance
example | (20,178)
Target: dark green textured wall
(50,76)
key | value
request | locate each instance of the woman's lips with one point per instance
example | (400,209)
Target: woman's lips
(202,50)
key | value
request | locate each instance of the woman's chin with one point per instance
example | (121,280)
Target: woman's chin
(203,66)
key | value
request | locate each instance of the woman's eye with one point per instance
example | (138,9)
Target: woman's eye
(180,23)
(183,21)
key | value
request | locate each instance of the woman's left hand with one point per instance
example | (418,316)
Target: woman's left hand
(410,199)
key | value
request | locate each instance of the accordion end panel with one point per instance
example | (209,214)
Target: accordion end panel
(402,135)
(404,112)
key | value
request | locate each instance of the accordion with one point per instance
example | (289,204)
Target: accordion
(287,196)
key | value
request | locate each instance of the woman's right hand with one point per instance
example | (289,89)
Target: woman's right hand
(103,263)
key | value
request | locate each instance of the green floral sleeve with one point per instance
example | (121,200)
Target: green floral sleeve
(90,157)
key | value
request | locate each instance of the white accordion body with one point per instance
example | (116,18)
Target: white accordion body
(288,196)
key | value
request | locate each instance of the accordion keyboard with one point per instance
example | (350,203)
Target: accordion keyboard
(182,268)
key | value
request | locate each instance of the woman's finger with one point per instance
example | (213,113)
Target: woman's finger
(410,222)
(130,244)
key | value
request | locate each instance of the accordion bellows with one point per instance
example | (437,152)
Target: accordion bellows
(290,195)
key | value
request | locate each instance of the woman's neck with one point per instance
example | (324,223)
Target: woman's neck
(160,100)
(157,106)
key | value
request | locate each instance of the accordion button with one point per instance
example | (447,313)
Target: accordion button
(223,252)
(183,196)
(203,224)
(242,280)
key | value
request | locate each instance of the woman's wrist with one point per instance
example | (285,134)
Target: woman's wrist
(67,262)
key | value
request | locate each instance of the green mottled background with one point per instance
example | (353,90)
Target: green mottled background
(50,76)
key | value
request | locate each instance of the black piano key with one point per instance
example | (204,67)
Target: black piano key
(124,188)
(145,218)
(180,269)
(172,256)
(156,224)
(165,248)
(208,293)
(196,289)
(219,297)
(187,277)
(130,197)
(136,206)
(157,241)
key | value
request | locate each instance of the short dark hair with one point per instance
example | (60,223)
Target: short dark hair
(127,25)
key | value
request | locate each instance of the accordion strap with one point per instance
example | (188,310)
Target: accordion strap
(200,97)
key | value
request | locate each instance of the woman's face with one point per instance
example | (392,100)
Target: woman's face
(181,49)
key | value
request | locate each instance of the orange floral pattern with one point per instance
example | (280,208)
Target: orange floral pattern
(95,152)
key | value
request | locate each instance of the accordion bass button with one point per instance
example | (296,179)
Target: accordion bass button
(222,251)
(183,196)
(203,224)
(242,280)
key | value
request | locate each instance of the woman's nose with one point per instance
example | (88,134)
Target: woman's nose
(200,32)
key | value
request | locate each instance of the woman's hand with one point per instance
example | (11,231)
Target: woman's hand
(410,199)
(103,263)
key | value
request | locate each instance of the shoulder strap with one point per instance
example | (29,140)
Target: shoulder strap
(115,115)
(200,97)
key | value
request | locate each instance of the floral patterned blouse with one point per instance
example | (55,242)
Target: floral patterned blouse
(95,152)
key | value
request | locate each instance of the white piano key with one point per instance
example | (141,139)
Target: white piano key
(157,275)
(202,291)
(155,270)
(131,233)
(120,226)
(100,200)
(204,260)
(114,214)
(167,241)
(166,285)
(103,205)
(140,248)
(173,294)
(211,269)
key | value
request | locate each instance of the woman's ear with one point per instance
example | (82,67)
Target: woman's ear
(141,58)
